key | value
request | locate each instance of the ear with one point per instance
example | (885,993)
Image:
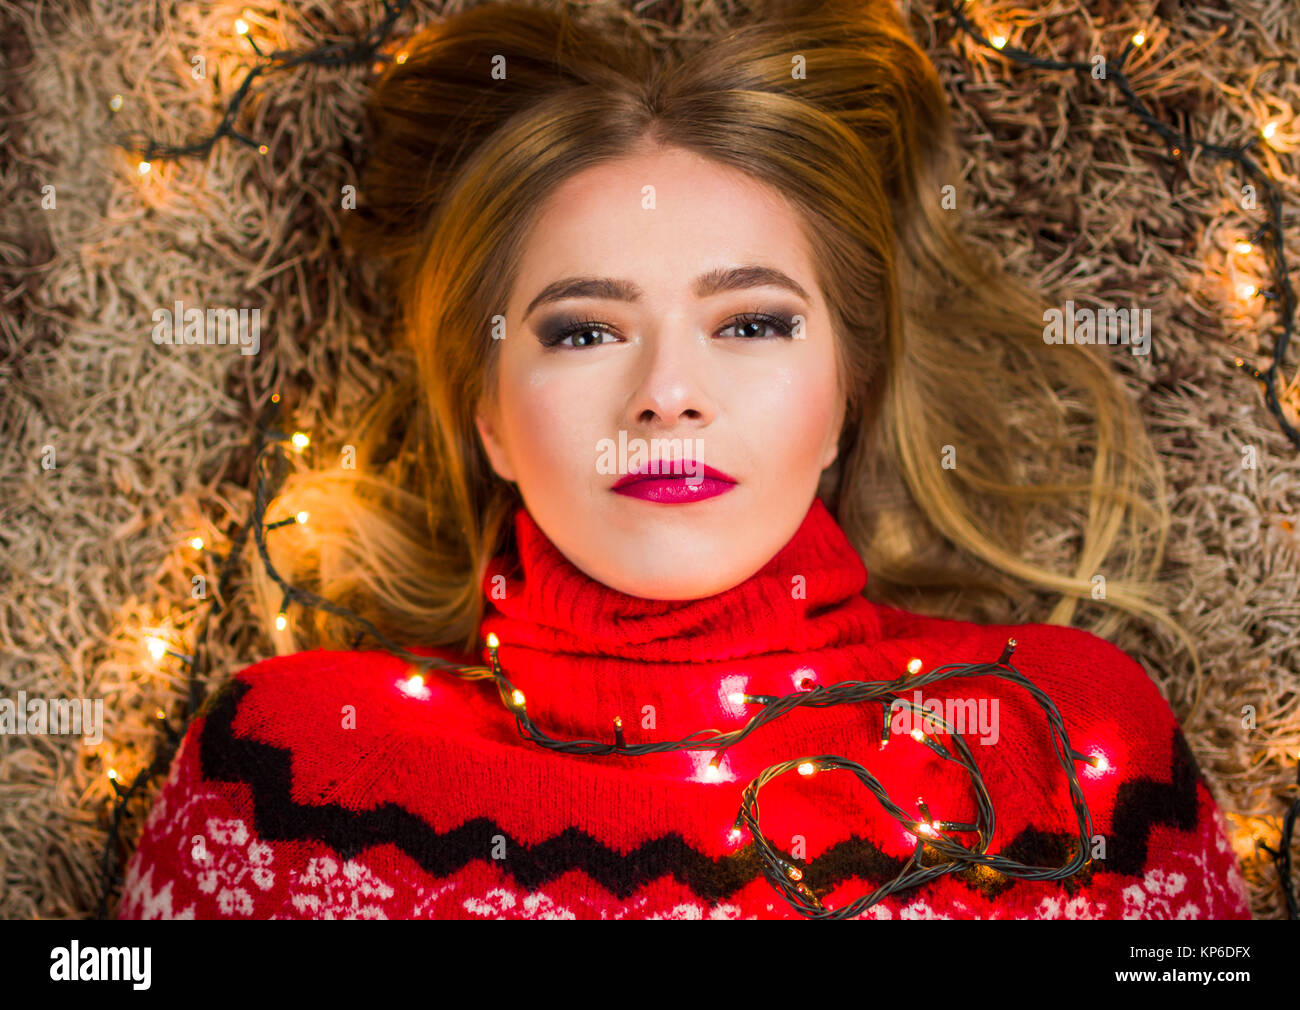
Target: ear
(485,421)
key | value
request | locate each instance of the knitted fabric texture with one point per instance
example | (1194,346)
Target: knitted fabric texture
(328,784)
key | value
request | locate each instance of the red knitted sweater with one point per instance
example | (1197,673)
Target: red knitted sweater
(327,784)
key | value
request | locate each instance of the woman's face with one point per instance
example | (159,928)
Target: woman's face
(652,364)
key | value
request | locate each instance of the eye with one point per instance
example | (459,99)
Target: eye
(751,320)
(579,330)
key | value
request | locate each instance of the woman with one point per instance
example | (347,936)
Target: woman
(697,346)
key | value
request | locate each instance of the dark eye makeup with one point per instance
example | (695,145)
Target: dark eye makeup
(553,332)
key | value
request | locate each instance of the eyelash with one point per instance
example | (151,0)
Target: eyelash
(783,326)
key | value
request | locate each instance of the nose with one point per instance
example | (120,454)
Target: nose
(670,385)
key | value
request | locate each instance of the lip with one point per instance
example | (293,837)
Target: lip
(670,490)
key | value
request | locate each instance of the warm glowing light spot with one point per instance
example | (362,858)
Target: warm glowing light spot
(1139,38)
(144,167)
(112,774)
(1245,290)
(157,647)
(1269,130)
(518,698)
(301,440)
(1244,247)
(917,735)
(492,640)
(401,57)
(302,517)
(197,543)
(281,621)
(998,41)
(115,102)
(913,666)
(1098,763)
(241,26)
(807,768)
(736,698)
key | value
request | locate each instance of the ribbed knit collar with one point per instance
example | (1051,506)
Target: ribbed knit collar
(582,652)
(807,596)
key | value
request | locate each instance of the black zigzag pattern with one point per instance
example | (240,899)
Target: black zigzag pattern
(266,769)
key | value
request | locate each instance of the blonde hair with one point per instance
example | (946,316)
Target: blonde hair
(941,353)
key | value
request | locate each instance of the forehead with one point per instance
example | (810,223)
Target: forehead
(662,219)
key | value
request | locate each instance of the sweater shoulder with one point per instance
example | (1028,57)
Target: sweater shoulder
(1051,651)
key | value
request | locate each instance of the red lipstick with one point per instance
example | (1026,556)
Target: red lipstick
(670,489)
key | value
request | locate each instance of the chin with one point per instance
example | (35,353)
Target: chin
(675,586)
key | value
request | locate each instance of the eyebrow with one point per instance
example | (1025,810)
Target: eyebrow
(707,284)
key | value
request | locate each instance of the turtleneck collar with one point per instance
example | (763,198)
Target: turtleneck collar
(807,596)
(582,652)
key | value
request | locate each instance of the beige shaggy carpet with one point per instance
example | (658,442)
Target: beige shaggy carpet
(150,444)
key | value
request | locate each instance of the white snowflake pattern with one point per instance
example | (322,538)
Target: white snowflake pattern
(227,856)
(500,903)
(326,889)
(140,901)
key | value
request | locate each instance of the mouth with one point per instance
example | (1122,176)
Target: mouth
(678,482)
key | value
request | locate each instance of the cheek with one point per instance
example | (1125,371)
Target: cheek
(797,415)
(544,420)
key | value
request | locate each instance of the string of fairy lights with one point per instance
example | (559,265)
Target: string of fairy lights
(936,851)
(1269,235)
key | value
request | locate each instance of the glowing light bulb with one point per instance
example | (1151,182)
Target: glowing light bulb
(281,621)
(998,41)
(1245,290)
(415,682)
(914,666)
(1269,130)
(917,735)
(300,440)
(157,647)
(1244,247)
(159,714)
(492,640)
(262,148)
(925,829)
(401,57)
(733,835)
(1139,38)
(144,167)
(518,698)
(712,773)
(112,774)
(807,768)
(241,26)
(302,517)
(736,698)
(197,543)
(115,102)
